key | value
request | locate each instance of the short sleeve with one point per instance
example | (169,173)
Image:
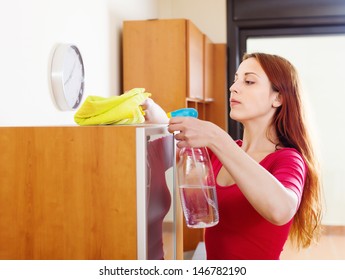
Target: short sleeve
(290,169)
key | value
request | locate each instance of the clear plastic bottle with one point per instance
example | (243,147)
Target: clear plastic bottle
(197,189)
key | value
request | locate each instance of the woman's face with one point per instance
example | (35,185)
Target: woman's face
(251,94)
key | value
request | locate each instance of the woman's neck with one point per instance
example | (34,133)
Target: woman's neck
(258,139)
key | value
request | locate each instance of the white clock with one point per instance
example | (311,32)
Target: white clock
(67,76)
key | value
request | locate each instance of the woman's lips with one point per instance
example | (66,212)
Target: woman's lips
(234,102)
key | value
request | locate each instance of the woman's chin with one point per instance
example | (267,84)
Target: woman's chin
(234,116)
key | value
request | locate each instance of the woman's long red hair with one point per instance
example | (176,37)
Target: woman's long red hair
(290,125)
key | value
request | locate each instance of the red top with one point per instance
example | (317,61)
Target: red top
(242,234)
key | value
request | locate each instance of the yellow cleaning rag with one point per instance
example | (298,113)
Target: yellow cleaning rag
(122,109)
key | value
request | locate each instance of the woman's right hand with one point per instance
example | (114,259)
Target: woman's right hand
(192,132)
(154,113)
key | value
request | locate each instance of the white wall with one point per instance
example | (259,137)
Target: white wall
(30,29)
(208,15)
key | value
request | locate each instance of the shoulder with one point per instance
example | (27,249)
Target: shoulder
(287,161)
(289,167)
(287,155)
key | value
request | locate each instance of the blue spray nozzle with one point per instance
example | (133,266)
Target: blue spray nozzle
(184,112)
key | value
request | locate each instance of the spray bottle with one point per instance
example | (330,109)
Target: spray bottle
(196,182)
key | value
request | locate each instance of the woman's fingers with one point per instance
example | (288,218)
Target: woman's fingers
(177,124)
(180,136)
(177,120)
(146,104)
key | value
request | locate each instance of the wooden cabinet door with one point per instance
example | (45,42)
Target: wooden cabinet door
(154,57)
(68,193)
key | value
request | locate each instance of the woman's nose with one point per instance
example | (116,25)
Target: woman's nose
(233,87)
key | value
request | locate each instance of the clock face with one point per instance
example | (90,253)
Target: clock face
(67,76)
(73,76)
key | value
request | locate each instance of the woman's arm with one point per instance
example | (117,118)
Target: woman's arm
(265,193)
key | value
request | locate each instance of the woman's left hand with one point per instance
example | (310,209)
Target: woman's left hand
(153,112)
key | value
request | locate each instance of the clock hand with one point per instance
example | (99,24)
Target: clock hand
(72,72)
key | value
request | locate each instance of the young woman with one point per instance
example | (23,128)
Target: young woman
(268,184)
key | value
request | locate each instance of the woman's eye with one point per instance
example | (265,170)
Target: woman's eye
(249,82)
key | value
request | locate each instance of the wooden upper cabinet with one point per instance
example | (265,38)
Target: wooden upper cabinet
(154,57)
(169,58)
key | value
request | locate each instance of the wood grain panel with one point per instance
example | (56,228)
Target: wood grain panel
(154,57)
(67,193)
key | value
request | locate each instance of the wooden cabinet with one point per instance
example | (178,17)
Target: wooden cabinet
(86,193)
(181,67)
(174,60)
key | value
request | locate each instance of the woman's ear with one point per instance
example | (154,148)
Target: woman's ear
(277,102)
